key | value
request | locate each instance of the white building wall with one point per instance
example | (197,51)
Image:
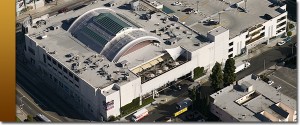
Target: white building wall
(239,43)
(130,91)
(115,111)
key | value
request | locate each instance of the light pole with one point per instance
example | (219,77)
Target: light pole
(197,6)
(292,49)
(264,64)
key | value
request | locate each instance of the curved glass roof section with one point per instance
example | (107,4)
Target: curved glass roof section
(108,33)
(131,37)
(96,28)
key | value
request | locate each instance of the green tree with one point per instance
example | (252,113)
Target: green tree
(193,96)
(29,118)
(229,76)
(112,118)
(216,78)
(289,33)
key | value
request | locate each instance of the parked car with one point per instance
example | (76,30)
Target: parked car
(63,10)
(175,87)
(176,3)
(281,43)
(278,87)
(270,82)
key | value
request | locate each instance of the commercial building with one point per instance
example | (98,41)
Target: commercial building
(21,5)
(252,100)
(103,58)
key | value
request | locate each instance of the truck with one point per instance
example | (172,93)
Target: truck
(139,115)
(242,66)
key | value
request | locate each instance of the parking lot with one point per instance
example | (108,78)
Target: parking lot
(287,79)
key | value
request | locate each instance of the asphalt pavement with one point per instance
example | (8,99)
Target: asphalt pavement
(268,59)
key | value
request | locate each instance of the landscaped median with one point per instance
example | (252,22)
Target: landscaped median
(135,105)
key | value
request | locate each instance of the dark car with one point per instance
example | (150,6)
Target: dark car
(63,10)
(175,87)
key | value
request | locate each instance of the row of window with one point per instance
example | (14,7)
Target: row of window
(280,19)
(31,50)
(68,91)
(281,24)
(60,67)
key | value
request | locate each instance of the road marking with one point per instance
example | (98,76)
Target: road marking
(285,82)
(183,18)
(38,107)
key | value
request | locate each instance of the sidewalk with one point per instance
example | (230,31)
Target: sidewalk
(20,113)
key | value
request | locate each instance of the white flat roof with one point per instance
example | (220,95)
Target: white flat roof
(225,99)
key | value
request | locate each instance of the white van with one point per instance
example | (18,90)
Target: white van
(139,115)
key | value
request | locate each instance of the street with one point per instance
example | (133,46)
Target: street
(270,58)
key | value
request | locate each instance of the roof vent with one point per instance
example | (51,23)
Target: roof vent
(52,52)
(196,44)
(42,36)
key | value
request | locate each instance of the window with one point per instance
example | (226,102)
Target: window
(59,66)
(54,62)
(230,56)
(60,84)
(71,81)
(48,57)
(31,50)
(55,80)
(32,61)
(77,85)
(247,36)
(65,70)
(54,68)
(66,77)
(230,44)
(50,76)
(230,50)
(60,73)
(49,65)
(263,28)
(76,78)
(44,57)
(70,74)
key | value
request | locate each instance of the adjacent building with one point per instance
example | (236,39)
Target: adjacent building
(103,58)
(253,100)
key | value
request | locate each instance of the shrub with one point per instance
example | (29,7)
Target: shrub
(135,105)
(198,72)
(112,118)
(289,33)
(290,26)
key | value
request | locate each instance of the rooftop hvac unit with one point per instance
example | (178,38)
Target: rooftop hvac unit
(43,36)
